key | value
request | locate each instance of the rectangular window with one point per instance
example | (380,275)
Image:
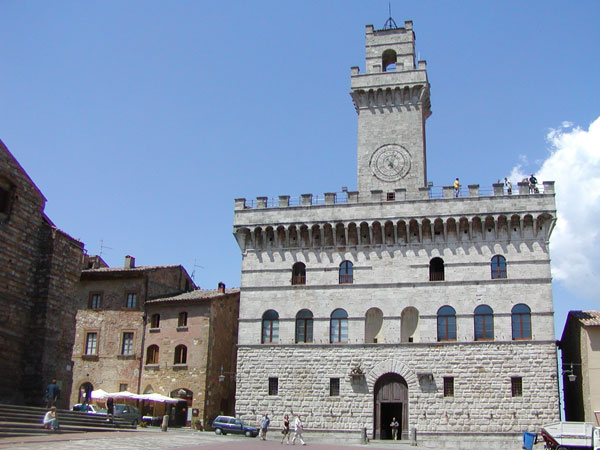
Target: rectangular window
(131,300)
(334,387)
(122,387)
(391,196)
(516,386)
(95,300)
(182,321)
(448,386)
(4,200)
(338,330)
(91,343)
(127,345)
(273,385)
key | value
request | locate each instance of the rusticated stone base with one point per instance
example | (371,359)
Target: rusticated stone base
(482,403)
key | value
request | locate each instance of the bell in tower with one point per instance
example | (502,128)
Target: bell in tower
(392,102)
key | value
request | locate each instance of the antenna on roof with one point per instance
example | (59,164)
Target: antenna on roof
(102,247)
(390,24)
(192,276)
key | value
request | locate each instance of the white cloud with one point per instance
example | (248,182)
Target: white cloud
(574,164)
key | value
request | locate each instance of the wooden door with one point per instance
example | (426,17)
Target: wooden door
(391,400)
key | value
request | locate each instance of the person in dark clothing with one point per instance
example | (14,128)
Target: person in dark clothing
(110,409)
(52,393)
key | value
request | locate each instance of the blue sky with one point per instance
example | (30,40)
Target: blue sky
(141,121)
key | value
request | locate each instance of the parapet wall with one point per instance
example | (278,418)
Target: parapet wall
(400,195)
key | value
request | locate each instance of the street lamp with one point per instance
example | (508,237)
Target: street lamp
(569,373)
(222,374)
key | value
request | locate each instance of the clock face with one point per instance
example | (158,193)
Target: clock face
(390,162)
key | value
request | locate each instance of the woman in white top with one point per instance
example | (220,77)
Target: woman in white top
(50,419)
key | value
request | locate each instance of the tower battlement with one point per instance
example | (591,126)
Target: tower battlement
(399,195)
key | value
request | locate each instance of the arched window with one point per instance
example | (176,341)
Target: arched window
(152,354)
(498,266)
(270,327)
(338,326)
(388,60)
(521,322)
(436,269)
(304,326)
(409,325)
(374,326)
(182,319)
(180,354)
(155,321)
(484,323)
(346,272)
(298,273)
(446,324)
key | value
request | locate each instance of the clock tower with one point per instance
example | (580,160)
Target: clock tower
(392,102)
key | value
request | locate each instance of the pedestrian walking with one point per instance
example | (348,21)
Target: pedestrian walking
(264,426)
(110,409)
(394,425)
(286,429)
(298,427)
(52,393)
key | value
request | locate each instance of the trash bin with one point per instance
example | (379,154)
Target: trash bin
(528,440)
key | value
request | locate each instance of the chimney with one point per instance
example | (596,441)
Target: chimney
(129,262)
(221,287)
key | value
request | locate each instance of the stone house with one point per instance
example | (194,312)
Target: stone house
(580,347)
(399,300)
(190,353)
(39,270)
(111,320)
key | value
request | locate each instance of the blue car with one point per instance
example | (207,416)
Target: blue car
(228,424)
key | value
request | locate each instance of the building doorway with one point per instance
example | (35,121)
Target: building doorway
(85,392)
(391,400)
(180,416)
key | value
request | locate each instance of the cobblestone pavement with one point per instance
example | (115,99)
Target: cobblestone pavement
(171,440)
(181,439)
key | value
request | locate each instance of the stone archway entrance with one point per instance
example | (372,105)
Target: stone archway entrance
(85,392)
(179,412)
(390,400)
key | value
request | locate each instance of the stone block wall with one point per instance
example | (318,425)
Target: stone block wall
(482,401)
(38,266)
(223,353)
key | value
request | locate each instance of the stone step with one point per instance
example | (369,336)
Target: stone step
(82,418)
(17,420)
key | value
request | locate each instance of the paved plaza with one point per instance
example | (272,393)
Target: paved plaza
(182,439)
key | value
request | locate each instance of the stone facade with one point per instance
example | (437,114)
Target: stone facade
(205,322)
(109,335)
(40,267)
(437,311)
(580,344)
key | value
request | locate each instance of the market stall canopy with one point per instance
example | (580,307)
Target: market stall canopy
(158,398)
(125,394)
(100,394)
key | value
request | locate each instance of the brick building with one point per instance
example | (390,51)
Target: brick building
(399,300)
(580,347)
(39,271)
(190,353)
(110,322)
